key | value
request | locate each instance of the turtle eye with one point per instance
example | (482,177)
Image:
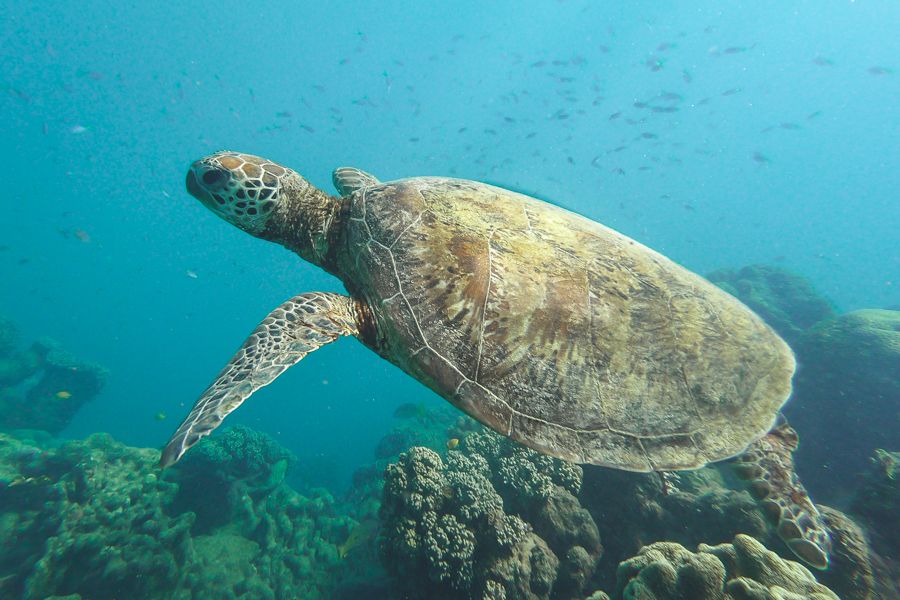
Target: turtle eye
(213,177)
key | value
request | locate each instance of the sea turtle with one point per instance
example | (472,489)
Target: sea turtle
(547,327)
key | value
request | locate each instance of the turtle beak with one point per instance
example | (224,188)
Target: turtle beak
(205,177)
(193,187)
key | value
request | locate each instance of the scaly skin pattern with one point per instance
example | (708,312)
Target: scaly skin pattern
(557,331)
(768,466)
(290,332)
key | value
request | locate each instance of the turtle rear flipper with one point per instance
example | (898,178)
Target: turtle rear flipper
(349,179)
(768,465)
(290,332)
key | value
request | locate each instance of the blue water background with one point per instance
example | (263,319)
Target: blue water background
(783,150)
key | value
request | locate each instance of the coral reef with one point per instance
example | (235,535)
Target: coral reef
(741,570)
(495,520)
(845,391)
(877,500)
(690,507)
(786,301)
(877,503)
(88,517)
(95,518)
(43,386)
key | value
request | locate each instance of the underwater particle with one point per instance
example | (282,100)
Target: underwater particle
(160,416)
(452,443)
(63,394)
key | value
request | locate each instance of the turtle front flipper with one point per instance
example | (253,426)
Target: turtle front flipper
(348,180)
(290,332)
(768,466)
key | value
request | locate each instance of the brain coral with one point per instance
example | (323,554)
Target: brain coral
(742,570)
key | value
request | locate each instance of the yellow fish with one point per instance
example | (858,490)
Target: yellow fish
(452,443)
(63,395)
(160,416)
(359,536)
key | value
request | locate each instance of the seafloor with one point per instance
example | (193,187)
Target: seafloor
(447,509)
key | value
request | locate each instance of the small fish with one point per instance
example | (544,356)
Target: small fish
(358,537)
(761,158)
(283,114)
(63,394)
(731,92)
(792,126)
(654,64)
(192,274)
(879,71)
(823,62)
(78,129)
(452,443)
(82,236)
(615,116)
(410,410)
(160,416)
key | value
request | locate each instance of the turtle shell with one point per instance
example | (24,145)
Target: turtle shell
(559,332)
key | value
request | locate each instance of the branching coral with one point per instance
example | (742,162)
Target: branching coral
(491,521)
(95,518)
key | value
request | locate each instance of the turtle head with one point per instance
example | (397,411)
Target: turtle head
(242,189)
(266,200)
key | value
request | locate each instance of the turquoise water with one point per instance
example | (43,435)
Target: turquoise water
(773,140)
(783,149)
